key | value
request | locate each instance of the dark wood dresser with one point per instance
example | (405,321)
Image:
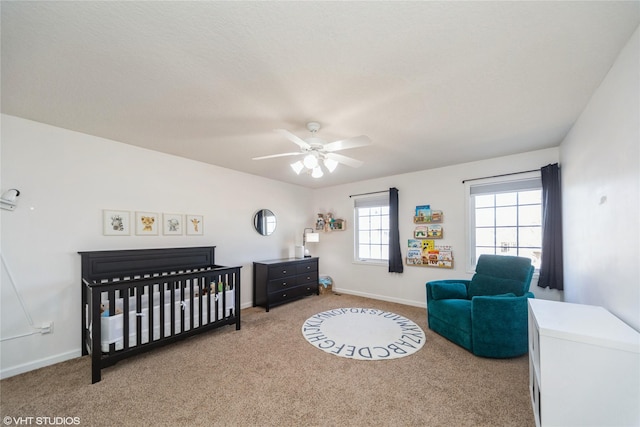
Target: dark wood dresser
(279,281)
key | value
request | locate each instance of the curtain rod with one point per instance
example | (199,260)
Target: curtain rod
(365,194)
(498,176)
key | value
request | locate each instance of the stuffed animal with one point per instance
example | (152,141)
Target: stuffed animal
(105,313)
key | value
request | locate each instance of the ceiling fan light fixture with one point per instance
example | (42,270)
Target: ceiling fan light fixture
(317,154)
(310,161)
(330,164)
(297,167)
(317,172)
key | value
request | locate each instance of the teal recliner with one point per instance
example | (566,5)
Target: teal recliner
(487,315)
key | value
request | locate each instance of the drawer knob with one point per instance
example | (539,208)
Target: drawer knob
(284,271)
(284,283)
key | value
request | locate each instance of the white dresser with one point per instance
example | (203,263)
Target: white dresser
(584,366)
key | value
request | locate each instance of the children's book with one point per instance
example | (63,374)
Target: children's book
(420,232)
(424,211)
(415,243)
(434,231)
(428,244)
(414,253)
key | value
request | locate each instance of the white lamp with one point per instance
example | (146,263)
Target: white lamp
(310,161)
(317,172)
(309,237)
(311,164)
(297,167)
(330,164)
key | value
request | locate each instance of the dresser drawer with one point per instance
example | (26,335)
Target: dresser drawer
(311,278)
(306,267)
(295,292)
(282,270)
(282,283)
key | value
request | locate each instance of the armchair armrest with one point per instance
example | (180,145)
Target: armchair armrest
(500,325)
(449,286)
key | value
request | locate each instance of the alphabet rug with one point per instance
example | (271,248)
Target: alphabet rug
(363,333)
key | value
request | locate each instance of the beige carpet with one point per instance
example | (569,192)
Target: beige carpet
(266,374)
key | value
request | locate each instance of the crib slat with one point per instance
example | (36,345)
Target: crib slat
(139,314)
(162,287)
(191,296)
(172,310)
(201,294)
(124,294)
(111,301)
(151,305)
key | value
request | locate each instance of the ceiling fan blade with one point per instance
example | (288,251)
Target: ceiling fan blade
(343,144)
(293,138)
(345,160)
(276,155)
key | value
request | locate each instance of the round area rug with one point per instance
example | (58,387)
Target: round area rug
(363,333)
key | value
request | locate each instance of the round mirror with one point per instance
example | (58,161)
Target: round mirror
(265,222)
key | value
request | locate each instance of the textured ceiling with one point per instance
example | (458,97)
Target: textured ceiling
(431,83)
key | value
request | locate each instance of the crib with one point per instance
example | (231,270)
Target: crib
(139,299)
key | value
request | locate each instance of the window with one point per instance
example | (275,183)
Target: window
(372,229)
(505,218)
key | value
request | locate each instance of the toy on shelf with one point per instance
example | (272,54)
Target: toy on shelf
(326,222)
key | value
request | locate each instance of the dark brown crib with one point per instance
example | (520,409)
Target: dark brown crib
(136,300)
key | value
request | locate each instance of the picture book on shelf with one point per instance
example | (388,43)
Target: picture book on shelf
(420,232)
(424,211)
(415,243)
(414,253)
(434,231)
(428,244)
(414,261)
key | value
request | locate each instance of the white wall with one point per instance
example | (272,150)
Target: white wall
(66,178)
(601,190)
(442,189)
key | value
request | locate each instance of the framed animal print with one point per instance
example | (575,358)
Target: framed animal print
(147,223)
(116,223)
(172,224)
(195,225)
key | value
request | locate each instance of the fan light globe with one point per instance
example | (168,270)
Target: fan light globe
(330,164)
(297,167)
(317,172)
(310,161)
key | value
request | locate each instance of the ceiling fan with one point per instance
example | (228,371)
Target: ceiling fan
(316,150)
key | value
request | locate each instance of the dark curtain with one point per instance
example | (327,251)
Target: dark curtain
(551,265)
(395,256)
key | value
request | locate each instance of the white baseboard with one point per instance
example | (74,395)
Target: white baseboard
(37,364)
(382,298)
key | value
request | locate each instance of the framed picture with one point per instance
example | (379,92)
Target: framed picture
(172,224)
(147,223)
(116,223)
(194,225)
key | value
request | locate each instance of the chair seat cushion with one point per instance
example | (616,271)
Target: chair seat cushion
(448,291)
(486,285)
(456,313)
